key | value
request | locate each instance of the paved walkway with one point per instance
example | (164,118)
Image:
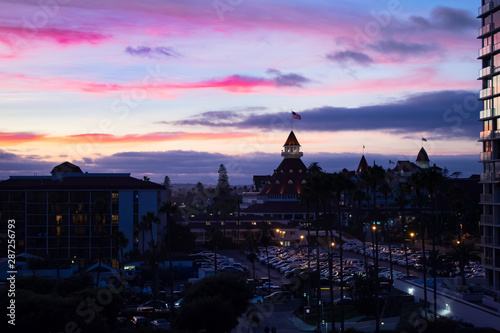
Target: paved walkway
(282,318)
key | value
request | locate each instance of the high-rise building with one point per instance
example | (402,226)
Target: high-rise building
(489,55)
(71,215)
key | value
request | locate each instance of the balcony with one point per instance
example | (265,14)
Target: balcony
(484,71)
(485,135)
(486,156)
(484,51)
(486,198)
(488,49)
(487,28)
(488,261)
(485,93)
(486,113)
(485,8)
(486,240)
(486,177)
(486,219)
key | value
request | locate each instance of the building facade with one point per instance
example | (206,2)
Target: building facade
(279,196)
(489,55)
(71,215)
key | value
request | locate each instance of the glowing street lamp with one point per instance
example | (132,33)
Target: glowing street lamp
(412,235)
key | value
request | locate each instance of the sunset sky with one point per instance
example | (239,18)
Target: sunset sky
(164,87)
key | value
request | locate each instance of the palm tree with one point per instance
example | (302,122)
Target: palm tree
(120,242)
(265,239)
(386,189)
(403,190)
(433,181)
(418,183)
(314,168)
(374,178)
(143,228)
(215,237)
(438,262)
(463,253)
(149,220)
(340,185)
(167,208)
(306,198)
(319,191)
(34,263)
(100,206)
(251,247)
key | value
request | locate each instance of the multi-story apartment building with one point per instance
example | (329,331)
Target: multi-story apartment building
(70,215)
(489,55)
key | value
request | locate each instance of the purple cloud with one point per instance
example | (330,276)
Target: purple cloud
(448,114)
(287,80)
(152,52)
(446,18)
(193,166)
(350,56)
(402,48)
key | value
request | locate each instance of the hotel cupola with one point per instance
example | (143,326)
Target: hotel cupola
(289,178)
(292,147)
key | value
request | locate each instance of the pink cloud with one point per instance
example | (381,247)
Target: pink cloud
(154,137)
(426,79)
(233,83)
(22,37)
(14,138)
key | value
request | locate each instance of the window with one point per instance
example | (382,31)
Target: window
(487,146)
(488,125)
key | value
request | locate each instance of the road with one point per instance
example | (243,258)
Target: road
(271,315)
(281,316)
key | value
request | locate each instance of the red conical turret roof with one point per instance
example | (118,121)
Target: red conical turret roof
(292,140)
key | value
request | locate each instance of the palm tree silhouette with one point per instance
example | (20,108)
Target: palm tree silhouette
(119,240)
(463,253)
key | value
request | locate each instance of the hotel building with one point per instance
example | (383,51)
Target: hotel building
(70,215)
(489,55)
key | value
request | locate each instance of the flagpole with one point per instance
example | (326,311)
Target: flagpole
(291,120)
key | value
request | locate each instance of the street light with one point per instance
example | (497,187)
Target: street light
(412,235)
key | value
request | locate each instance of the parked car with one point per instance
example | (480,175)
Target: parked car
(138,321)
(178,304)
(278,297)
(155,304)
(343,301)
(257,299)
(160,324)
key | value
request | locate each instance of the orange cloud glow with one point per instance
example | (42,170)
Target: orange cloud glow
(10,139)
